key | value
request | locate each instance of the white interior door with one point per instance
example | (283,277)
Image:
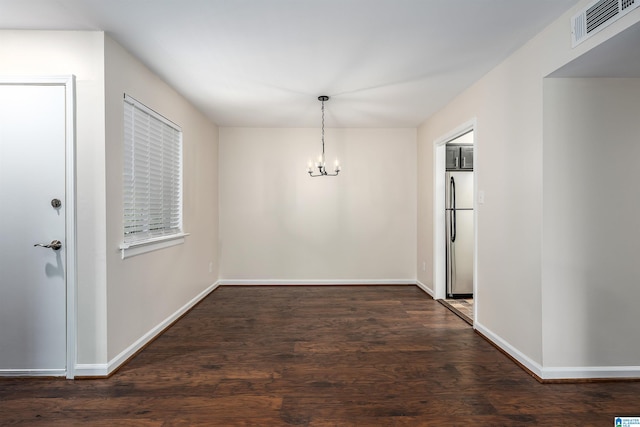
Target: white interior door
(33,279)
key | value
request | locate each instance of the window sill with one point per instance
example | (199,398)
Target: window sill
(129,250)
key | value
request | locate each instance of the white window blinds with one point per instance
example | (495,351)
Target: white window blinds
(152,174)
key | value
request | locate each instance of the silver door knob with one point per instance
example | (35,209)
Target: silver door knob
(55,245)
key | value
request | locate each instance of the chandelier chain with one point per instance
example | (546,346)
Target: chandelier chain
(323,131)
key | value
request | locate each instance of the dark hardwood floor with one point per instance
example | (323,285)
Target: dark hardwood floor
(317,356)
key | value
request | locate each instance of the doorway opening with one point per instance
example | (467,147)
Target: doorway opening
(455,221)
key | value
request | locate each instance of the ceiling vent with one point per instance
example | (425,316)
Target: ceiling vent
(598,15)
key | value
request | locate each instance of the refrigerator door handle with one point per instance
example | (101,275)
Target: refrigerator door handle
(452,212)
(452,225)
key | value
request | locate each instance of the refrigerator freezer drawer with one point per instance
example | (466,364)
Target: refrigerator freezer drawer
(462,188)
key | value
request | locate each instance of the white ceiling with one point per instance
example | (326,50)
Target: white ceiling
(385,63)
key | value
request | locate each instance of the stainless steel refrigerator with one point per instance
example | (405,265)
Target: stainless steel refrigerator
(459,224)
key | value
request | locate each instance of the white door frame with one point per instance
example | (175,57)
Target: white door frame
(439,253)
(69,83)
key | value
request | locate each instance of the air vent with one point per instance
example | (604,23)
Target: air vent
(597,16)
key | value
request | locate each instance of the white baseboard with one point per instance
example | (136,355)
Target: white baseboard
(425,288)
(564,372)
(91,370)
(591,372)
(33,372)
(101,370)
(524,360)
(288,282)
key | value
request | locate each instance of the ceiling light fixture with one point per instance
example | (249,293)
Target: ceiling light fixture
(320,164)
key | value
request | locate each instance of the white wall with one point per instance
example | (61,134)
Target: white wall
(509,222)
(46,53)
(508,106)
(425,217)
(279,224)
(591,233)
(144,290)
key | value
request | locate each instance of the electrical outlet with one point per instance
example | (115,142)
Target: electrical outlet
(424,266)
(211,267)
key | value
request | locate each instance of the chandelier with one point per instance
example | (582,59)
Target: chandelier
(320,164)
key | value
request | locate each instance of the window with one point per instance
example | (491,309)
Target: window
(152,180)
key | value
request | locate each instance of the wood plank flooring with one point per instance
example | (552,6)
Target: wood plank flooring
(317,356)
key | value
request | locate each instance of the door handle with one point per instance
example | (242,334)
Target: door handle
(55,245)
